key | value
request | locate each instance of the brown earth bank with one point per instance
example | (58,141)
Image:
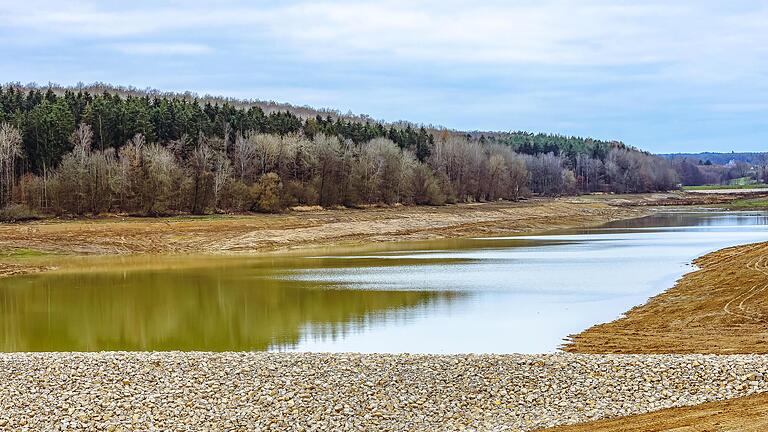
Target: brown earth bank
(737,415)
(263,232)
(720,309)
(308,227)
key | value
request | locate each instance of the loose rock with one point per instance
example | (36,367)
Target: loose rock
(313,392)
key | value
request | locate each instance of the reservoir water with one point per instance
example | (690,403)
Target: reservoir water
(518,294)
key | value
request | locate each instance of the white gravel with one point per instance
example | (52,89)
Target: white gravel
(299,391)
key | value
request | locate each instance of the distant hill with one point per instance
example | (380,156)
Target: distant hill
(719,158)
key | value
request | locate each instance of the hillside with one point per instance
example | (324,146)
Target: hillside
(77,151)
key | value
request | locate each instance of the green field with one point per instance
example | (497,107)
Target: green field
(747,204)
(22,253)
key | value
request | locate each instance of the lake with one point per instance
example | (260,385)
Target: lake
(517,294)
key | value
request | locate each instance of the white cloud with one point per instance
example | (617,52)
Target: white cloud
(684,35)
(689,40)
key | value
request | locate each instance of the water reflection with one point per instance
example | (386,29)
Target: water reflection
(506,294)
(198,308)
(687,219)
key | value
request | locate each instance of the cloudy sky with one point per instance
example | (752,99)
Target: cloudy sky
(685,75)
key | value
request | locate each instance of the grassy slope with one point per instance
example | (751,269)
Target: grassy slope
(746,204)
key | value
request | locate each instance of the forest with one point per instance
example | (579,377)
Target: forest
(694,171)
(71,151)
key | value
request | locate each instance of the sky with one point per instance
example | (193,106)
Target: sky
(664,76)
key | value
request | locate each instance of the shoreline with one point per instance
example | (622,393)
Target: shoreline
(720,309)
(38,246)
(716,309)
(746,414)
(34,247)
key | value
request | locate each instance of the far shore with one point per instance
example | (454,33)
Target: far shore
(35,246)
(729,191)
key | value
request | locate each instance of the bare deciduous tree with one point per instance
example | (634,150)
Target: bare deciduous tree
(244,156)
(10,152)
(201,176)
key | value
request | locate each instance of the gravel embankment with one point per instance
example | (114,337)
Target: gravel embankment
(271,391)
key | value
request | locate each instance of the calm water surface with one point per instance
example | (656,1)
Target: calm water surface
(493,295)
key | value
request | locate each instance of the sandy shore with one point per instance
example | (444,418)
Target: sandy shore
(260,391)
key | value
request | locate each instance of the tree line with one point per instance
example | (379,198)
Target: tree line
(693,172)
(74,152)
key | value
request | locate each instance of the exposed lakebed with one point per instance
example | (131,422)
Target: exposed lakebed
(520,294)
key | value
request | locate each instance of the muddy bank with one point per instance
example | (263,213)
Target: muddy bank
(720,309)
(257,233)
